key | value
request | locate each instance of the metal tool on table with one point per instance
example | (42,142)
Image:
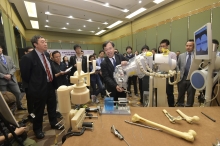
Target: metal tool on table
(118,134)
(141,125)
(171,118)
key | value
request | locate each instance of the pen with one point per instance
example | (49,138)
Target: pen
(208,117)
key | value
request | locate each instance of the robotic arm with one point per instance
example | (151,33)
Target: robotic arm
(142,65)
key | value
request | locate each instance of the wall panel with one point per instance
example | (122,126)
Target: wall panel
(163,32)
(151,38)
(216,24)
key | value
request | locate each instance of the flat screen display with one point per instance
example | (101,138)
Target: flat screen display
(201,41)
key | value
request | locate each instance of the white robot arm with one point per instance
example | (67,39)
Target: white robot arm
(142,65)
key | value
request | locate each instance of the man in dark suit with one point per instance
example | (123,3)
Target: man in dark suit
(36,71)
(78,58)
(7,78)
(183,65)
(108,67)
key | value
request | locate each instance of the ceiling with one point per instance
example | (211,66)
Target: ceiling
(82,11)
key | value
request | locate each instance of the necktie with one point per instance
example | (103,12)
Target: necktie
(188,63)
(114,62)
(3,60)
(101,60)
(47,69)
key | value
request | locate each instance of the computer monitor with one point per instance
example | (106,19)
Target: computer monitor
(6,112)
(203,42)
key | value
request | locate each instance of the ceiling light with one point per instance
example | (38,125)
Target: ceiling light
(84,26)
(92,31)
(34,24)
(64,28)
(48,13)
(125,10)
(47,20)
(158,1)
(98,33)
(46,26)
(70,16)
(106,5)
(31,9)
(140,2)
(105,23)
(114,24)
(90,20)
(79,30)
(98,28)
(136,13)
(67,23)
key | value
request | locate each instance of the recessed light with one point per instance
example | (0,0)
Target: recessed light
(114,24)
(34,24)
(125,10)
(106,4)
(48,13)
(31,9)
(98,33)
(84,26)
(158,1)
(136,13)
(67,23)
(90,20)
(47,20)
(98,28)
(105,23)
(64,28)
(46,26)
(79,30)
(140,2)
(92,31)
(70,17)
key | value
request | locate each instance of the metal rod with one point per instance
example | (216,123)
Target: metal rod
(61,126)
(126,142)
(61,132)
(58,122)
(142,125)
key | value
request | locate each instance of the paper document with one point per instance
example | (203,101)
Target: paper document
(68,69)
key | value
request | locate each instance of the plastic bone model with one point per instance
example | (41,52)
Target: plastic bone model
(140,66)
(77,94)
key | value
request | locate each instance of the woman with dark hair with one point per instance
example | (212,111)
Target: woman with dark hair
(66,61)
(136,53)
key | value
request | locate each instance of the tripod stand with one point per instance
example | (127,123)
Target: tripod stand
(7,124)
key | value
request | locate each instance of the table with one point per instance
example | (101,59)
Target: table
(207,130)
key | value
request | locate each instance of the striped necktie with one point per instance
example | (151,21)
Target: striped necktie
(47,69)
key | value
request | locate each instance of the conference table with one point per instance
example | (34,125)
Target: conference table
(207,131)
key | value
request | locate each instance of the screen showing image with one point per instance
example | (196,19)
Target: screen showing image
(201,41)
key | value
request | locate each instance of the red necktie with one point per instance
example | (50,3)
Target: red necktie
(47,69)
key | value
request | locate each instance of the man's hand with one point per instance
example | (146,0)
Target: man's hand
(19,131)
(62,72)
(119,89)
(7,77)
(123,63)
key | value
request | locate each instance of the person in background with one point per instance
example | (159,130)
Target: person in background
(164,45)
(154,51)
(30,105)
(37,72)
(125,54)
(108,67)
(177,55)
(94,54)
(136,53)
(100,58)
(144,49)
(8,79)
(133,79)
(59,69)
(66,61)
(98,62)
(82,52)
(95,81)
(116,51)
(78,58)
(51,57)
(183,65)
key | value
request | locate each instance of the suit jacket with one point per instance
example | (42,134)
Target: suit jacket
(33,73)
(181,64)
(73,62)
(9,68)
(107,69)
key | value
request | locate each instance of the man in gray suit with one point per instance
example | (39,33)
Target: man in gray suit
(183,64)
(7,78)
